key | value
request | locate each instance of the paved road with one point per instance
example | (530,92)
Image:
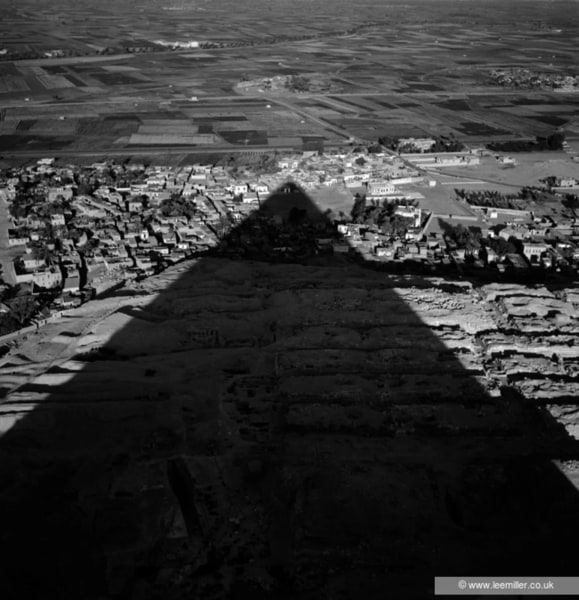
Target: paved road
(467,175)
(107,98)
(145,151)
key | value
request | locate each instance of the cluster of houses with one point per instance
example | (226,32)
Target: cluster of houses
(564,184)
(92,227)
(544,241)
(71,238)
(520,77)
(372,173)
(382,177)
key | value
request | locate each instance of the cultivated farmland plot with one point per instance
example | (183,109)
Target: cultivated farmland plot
(382,55)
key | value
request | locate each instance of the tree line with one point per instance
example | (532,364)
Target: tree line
(471,239)
(552,142)
(441,144)
(494,199)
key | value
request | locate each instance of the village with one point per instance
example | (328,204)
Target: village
(76,232)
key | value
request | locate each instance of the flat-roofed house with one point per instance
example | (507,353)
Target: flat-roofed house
(533,251)
(57,220)
(380,188)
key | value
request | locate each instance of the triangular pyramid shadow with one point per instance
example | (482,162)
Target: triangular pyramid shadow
(287,428)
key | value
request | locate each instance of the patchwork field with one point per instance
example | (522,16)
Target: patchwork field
(93,78)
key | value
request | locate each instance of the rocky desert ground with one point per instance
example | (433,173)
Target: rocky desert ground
(289,430)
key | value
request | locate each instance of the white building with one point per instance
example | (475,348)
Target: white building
(30,262)
(260,188)
(533,252)
(47,278)
(250,198)
(421,144)
(55,193)
(198,178)
(380,188)
(288,163)
(239,188)
(57,220)
(385,251)
(18,240)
